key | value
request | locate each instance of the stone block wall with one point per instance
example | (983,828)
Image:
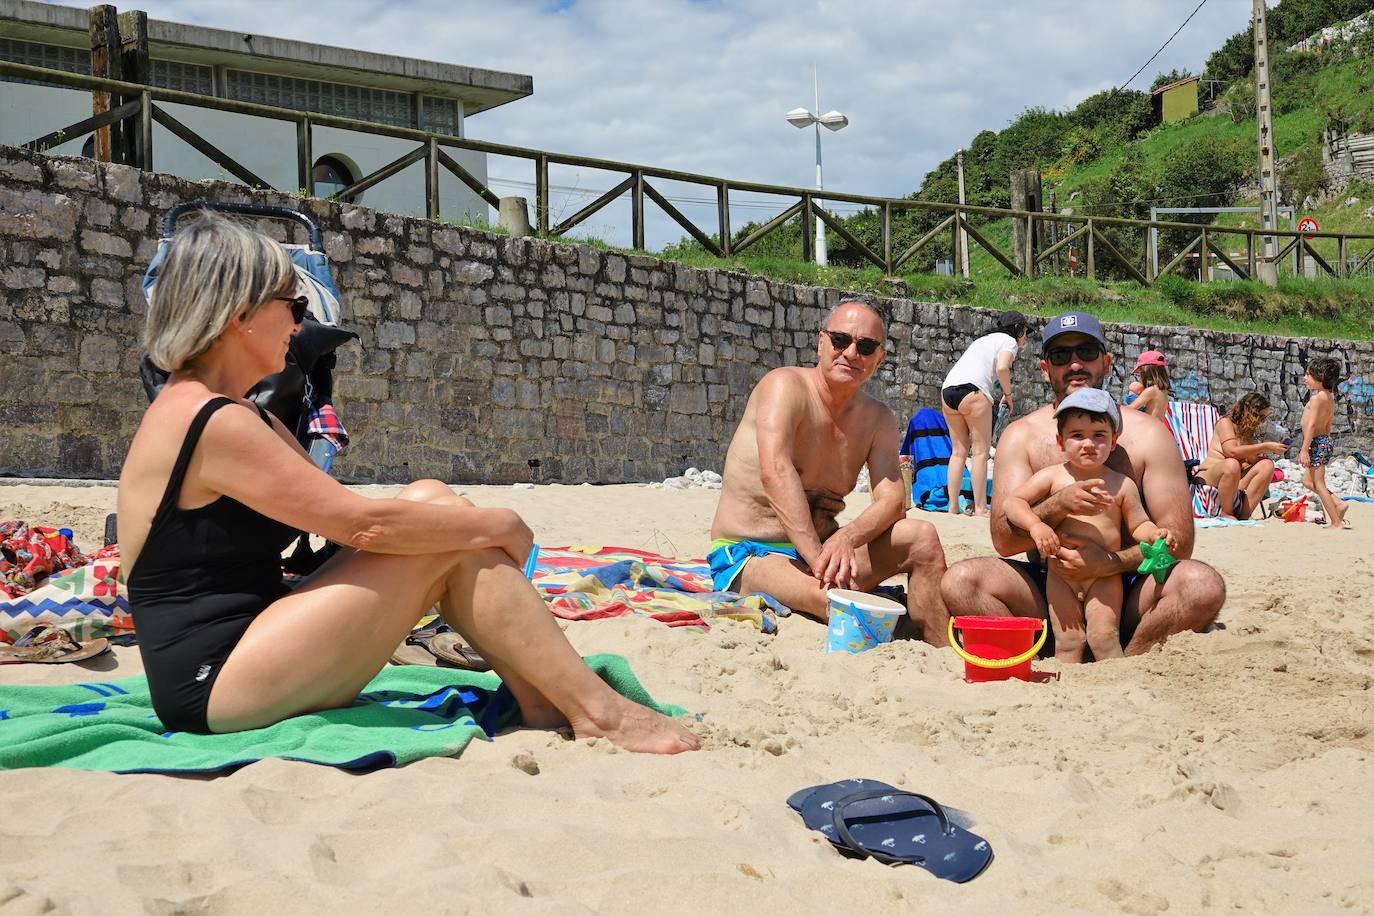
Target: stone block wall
(488,358)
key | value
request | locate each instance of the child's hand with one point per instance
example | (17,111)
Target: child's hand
(1304,459)
(1168,537)
(1046,541)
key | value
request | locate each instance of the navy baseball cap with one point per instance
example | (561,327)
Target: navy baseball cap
(1073,323)
(1093,400)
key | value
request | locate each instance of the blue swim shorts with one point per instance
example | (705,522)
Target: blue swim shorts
(728,556)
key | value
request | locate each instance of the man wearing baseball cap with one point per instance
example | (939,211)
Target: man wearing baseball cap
(1073,356)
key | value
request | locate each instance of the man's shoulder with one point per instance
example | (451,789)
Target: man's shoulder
(878,409)
(1148,442)
(1019,433)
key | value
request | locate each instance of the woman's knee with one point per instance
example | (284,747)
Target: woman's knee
(1230,469)
(432,491)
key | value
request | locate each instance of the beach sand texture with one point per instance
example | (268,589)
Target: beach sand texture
(1231,770)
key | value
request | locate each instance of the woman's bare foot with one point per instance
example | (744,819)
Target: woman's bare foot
(637,728)
(1340,516)
(980,513)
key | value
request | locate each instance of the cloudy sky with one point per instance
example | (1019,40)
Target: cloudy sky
(703,86)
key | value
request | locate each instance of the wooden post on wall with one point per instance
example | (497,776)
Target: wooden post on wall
(107,61)
(133,52)
(1025,195)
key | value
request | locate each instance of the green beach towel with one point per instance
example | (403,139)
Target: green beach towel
(405,713)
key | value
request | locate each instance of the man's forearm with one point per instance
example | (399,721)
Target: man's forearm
(793,511)
(1008,538)
(1127,559)
(880,516)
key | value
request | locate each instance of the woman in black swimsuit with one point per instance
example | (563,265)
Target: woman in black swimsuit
(212,490)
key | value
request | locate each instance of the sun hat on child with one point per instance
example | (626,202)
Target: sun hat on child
(1093,400)
(1148,358)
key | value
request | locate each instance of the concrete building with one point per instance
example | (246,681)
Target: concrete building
(349,83)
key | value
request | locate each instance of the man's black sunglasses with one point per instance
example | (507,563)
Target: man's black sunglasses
(299,306)
(866,346)
(1061,356)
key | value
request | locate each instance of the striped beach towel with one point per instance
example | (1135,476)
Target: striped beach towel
(1192,426)
(927,442)
(596,582)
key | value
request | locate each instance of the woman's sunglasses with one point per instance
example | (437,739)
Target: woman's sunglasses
(1061,356)
(299,306)
(866,346)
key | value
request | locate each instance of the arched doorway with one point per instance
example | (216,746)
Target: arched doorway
(331,175)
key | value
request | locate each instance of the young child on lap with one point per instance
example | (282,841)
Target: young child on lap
(1323,374)
(1089,424)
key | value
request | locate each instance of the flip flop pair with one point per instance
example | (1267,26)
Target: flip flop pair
(870,819)
(49,645)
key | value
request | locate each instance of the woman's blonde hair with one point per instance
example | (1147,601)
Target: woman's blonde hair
(1154,375)
(213,269)
(1247,413)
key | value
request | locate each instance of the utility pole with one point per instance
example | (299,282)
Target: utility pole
(963,236)
(1268,268)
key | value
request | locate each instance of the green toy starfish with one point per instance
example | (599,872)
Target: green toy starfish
(1157,559)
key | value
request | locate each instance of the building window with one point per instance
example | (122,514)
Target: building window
(330,176)
(172,74)
(380,105)
(51,57)
(439,115)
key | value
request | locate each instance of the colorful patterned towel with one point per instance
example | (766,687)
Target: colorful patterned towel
(405,713)
(29,554)
(87,601)
(592,583)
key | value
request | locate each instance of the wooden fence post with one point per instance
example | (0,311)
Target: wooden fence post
(137,68)
(541,194)
(305,159)
(145,112)
(808,226)
(637,211)
(107,61)
(1092,259)
(723,213)
(431,178)
(887,238)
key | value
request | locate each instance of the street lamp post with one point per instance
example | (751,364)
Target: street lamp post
(831,120)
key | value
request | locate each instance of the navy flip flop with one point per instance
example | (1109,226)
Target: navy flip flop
(867,818)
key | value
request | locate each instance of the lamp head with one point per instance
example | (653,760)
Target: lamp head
(834,120)
(800,117)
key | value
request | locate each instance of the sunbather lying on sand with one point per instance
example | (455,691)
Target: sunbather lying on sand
(213,489)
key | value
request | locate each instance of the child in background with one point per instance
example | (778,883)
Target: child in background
(1323,374)
(1089,424)
(1150,385)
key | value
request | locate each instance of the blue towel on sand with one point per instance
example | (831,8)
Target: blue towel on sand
(406,713)
(927,442)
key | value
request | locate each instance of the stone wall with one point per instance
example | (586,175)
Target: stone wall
(487,358)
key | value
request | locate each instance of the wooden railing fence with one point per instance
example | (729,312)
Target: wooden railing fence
(137,104)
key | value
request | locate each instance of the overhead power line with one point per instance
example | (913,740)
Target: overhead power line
(1163,46)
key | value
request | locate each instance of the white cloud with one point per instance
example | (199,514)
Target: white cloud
(702,86)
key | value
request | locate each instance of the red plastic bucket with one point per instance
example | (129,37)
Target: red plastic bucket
(997,648)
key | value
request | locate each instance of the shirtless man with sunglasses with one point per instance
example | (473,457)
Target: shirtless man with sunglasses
(1074,355)
(805,435)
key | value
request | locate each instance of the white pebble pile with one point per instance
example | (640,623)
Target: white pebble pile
(692,479)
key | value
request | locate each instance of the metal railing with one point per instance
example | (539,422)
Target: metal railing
(1061,232)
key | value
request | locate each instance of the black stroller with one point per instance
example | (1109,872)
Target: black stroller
(301,395)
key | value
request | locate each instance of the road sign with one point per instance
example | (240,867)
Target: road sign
(1307,226)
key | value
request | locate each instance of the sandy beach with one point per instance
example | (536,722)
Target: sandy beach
(1227,770)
